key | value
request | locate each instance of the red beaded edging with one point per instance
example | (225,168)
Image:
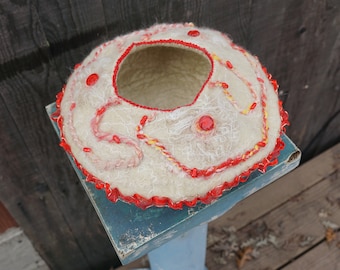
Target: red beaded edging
(113,194)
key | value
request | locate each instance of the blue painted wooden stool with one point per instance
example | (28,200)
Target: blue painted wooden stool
(174,239)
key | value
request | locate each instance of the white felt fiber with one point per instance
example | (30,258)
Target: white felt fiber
(161,112)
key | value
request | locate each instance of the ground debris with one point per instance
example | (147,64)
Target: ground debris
(298,240)
(306,240)
(324,213)
(243,255)
(229,245)
(330,235)
(331,229)
(220,260)
(330,225)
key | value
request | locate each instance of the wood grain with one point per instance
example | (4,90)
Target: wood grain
(63,20)
(298,225)
(28,198)
(281,190)
(20,29)
(41,41)
(299,43)
(45,186)
(306,66)
(324,256)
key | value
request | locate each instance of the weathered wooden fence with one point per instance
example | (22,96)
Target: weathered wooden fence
(298,41)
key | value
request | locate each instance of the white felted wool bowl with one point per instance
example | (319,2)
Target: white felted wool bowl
(170,115)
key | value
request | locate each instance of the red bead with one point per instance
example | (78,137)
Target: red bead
(260,80)
(92,79)
(64,145)
(224,85)
(143,120)
(77,65)
(99,185)
(275,84)
(101,111)
(141,136)
(229,64)
(116,139)
(253,106)
(73,105)
(87,149)
(194,173)
(206,123)
(261,144)
(194,33)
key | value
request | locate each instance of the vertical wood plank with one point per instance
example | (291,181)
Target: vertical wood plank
(308,54)
(299,43)
(21,37)
(50,185)
(71,21)
(20,31)
(30,201)
(125,16)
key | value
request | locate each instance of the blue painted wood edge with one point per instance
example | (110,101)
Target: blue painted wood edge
(134,232)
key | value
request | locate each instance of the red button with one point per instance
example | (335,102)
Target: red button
(206,123)
(92,79)
(194,33)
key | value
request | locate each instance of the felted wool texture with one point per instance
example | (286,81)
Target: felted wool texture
(174,85)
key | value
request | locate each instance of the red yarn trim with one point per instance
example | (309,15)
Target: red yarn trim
(113,194)
(153,42)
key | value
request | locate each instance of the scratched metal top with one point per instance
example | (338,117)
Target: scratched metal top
(134,232)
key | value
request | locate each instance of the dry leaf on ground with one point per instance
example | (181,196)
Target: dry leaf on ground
(243,256)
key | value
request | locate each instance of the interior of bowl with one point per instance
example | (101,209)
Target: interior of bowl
(163,77)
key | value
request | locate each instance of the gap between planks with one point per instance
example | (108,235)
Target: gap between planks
(324,256)
(280,191)
(291,227)
(287,233)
